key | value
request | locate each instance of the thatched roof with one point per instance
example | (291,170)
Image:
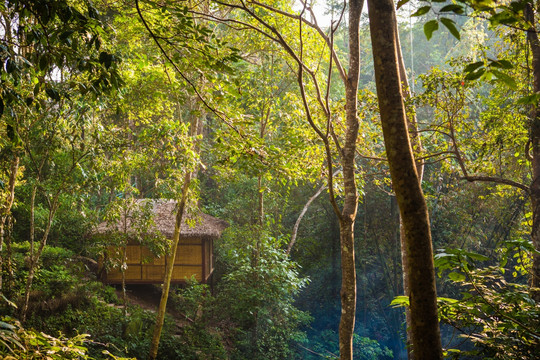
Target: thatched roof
(193,225)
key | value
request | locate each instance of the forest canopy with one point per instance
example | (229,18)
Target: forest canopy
(375,166)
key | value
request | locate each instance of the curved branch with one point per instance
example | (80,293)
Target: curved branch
(302,213)
(498,180)
(473,178)
(336,140)
(234,21)
(191,84)
(437,154)
(281,40)
(323,137)
(313,25)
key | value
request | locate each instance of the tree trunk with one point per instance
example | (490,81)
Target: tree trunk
(350,201)
(195,130)
(348,289)
(169,270)
(416,143)
(124,293)
(426,342)
(534,43)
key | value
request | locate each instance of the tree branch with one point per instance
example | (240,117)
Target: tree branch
(301,216)
(498,180)
(315,26)
(201,98)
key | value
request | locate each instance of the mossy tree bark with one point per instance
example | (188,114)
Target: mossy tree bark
(416,143)
(426,342)
(347,216)
(534,43)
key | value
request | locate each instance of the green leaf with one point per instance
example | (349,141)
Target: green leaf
(93,13)
(476,256)
(423,10)
(446,300)
(471,67)
(65,35)
(53,94)
(400,301)
(10,132)
(456,9)
(456,277)
(37,88)
(505,78)
(105,59)
(529,100)
(502,64)
(1,106)
(503,17)
(517,6)
(401,3)
(5,325)
(11,66)
(430,27)
(475,74)
(43,62)
(451,26)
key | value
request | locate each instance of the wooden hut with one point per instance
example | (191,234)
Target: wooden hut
(195,254)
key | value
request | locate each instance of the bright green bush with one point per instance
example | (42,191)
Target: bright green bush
(494,312)
(17,343)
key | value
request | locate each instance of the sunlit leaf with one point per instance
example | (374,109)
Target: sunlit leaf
(457,277)
(400,301)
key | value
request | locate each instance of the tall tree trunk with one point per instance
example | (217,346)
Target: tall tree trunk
(154,345)
(534,43)
(426,341)
(416,143)
(196,129)
(350,202)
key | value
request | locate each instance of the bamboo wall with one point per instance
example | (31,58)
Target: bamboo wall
(194,258)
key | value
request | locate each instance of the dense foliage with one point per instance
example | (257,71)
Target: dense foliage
(106,102)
